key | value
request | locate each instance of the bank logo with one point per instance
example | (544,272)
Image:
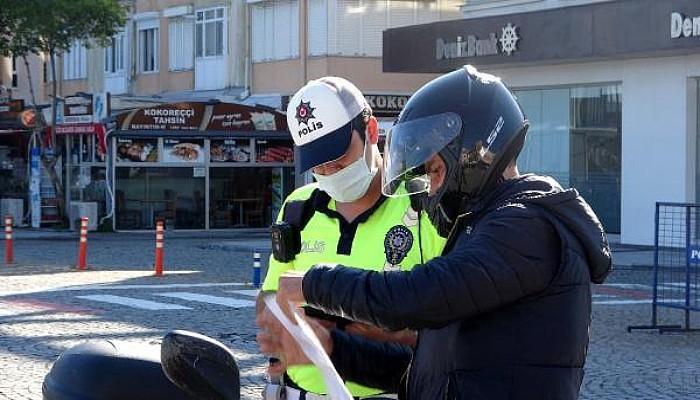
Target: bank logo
(509,39)
(473,46)
(304,112)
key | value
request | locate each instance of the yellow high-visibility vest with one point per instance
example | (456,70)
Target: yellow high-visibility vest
(388,236)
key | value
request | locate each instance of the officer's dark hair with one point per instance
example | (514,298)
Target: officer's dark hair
(359,123)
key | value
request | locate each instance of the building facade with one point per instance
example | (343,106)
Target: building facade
(610,88)
(176,55)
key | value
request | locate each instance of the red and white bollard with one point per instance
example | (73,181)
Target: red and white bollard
(82,248)
(9,256)
(160,230)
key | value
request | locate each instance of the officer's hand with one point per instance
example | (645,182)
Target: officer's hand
(289,290)
(405,337)
(293,354)
(268,337)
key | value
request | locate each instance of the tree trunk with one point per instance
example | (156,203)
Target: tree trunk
(49,163)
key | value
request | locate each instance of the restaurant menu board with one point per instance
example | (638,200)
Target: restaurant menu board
(137,150)
(274,151)
(230,150)
(183,150)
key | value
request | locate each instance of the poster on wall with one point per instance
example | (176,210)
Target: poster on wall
(183,150)
(274,151)
(230,150)
(137,150)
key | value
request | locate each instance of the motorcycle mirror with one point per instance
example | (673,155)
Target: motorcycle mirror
(200,366)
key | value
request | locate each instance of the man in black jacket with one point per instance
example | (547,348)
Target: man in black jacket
(504,313)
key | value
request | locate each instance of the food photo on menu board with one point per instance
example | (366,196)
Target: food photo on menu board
(274,151)
(183,150)
(230,150)
(137,150)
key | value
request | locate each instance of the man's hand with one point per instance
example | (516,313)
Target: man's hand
(405,337)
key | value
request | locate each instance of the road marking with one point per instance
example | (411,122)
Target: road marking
(249,293)
(129,287)
(79,288)
(205,298)
(134,303)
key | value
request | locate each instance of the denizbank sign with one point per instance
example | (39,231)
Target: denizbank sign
(473,46)
(684,27)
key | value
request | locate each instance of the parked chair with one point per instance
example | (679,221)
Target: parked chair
(168,213)
(254,215)
(126,218)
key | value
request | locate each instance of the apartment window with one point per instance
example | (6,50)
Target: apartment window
(275,30)
(210,29)
(14,71)
(115,54)
(75,61)
(180,44)
(148,45)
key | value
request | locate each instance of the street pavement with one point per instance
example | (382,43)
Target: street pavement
(47,306)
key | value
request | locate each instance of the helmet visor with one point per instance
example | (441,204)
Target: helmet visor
(409,145)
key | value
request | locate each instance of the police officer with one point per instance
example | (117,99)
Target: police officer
(505,311)
(342,217)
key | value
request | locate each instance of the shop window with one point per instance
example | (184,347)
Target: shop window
(145,195)
(575,136)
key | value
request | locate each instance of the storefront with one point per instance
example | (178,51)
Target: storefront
(610,88)
(200,166)
(14,145)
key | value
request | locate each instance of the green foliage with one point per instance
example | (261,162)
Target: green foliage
(50,26)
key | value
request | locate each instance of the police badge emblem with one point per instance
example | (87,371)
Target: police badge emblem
(397,243)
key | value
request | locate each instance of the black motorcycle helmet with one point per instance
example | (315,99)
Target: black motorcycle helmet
(472,120)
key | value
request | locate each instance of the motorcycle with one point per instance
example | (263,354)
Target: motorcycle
(186,366)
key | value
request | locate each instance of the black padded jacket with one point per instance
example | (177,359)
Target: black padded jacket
(504,313)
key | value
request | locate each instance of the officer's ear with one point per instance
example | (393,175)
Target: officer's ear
(372,129)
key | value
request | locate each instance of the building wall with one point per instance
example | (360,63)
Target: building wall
(285,77)
(659,114)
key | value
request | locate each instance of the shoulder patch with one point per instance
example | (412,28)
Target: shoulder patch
(397,243)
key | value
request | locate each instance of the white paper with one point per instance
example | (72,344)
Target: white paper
(311,346)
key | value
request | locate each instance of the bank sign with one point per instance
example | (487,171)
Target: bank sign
(472,46)
(681,26)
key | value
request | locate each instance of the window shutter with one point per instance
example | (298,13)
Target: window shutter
(282,28)
(401,13)
(257,39)
(373,24)
(348,27)
(317,27)
(427,11)
(269,25)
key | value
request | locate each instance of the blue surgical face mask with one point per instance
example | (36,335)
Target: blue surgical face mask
(350,183)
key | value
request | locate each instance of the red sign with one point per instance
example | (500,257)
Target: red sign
(84,129)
